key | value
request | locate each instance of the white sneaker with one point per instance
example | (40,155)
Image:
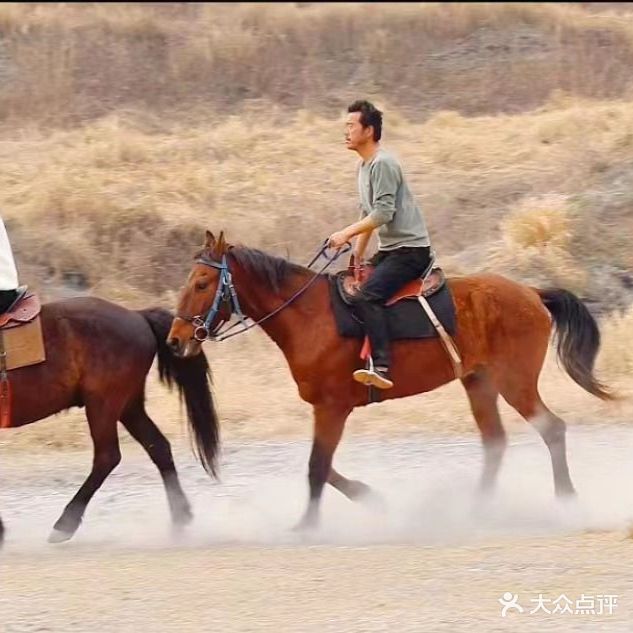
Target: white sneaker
(373,377)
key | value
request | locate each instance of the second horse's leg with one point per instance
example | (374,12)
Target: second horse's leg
(102,420)
(143,429)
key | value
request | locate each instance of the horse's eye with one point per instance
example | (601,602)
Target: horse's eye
(202,285)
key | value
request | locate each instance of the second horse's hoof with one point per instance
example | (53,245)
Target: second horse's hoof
(57,536)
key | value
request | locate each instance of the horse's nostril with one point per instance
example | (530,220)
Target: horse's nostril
(173,343)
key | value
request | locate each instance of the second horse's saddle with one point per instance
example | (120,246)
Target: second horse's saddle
(25,307)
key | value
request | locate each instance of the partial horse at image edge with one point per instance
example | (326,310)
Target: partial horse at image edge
(98,357)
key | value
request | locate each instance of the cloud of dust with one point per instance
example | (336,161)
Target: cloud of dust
(426,495)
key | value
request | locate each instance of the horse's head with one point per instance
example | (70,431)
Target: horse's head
(204,302)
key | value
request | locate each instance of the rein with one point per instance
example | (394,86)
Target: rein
(227,295)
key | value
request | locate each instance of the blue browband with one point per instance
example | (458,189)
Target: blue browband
(225,293)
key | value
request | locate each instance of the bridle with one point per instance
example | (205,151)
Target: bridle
(226,295)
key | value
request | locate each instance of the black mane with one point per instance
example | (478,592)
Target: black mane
(274,270)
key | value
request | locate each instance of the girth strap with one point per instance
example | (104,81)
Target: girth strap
(447,341)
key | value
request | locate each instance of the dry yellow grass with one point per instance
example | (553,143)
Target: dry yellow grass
(71,61)
(536,240)
(616,359)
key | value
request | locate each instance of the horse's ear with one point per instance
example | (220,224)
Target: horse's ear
(210,240)
(221,245)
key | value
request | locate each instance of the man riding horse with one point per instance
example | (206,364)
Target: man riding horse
(404,252)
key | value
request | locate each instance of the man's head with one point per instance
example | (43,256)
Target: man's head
(363,127)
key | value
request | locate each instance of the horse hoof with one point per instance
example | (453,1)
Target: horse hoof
(483,498)
(358,491)
(486,490)
(57,536)
(567,495)
(183,519)
(179,526)
(301,528)
(374,501)
(305,525)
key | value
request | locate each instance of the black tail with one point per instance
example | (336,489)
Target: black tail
(578,338)
(192,376)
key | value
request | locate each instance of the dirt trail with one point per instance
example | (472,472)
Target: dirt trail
(430,559)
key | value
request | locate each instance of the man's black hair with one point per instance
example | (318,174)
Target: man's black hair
(369,115)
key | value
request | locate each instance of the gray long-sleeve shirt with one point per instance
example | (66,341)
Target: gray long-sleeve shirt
(385,197)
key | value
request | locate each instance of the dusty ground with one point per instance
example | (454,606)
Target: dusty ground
(430,559)
(383,588)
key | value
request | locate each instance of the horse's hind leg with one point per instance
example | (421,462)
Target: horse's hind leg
(143,429)
(1,533)
(356,490)
(483,396)
(552,429)
(102,420)
(353,489)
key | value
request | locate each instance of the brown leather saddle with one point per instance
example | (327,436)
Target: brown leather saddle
(348,283)
(431,282)
(350,280)
(23,310)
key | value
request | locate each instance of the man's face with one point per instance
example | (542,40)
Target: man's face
(355,134)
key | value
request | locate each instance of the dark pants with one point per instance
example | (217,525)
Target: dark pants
(7,297)
(393,270)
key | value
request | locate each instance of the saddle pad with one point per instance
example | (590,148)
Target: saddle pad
(23,312)
(24,344)
(405,319)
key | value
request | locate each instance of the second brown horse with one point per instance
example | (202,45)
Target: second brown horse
(98,355)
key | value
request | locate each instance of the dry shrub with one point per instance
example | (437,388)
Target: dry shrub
(538,223)
(535,240)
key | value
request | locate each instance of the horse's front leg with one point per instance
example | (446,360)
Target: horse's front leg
(329,422)
(102,420)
